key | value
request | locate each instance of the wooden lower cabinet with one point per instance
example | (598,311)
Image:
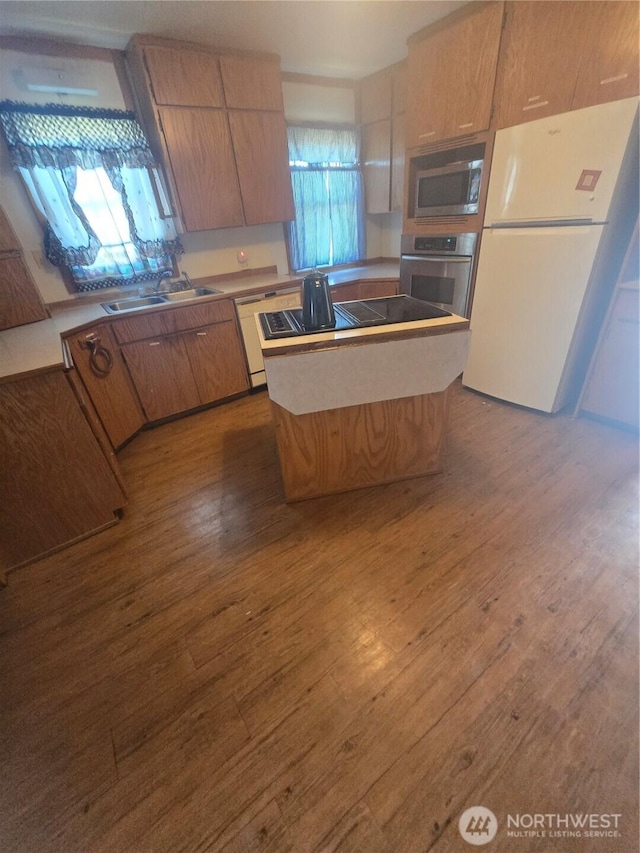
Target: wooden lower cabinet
(174,373)
(97,357)
(56,484)
(363,290)
(162,374)
(217,362)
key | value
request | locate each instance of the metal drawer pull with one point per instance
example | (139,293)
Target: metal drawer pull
(423,135)
(613,79)
(154,344)
(468,124)
(535,106)
(201,334)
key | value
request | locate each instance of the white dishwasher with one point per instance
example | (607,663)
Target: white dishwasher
(248,307)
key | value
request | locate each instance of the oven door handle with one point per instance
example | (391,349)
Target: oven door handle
(466,259)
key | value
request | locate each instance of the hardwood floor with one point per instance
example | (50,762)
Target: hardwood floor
(225,672)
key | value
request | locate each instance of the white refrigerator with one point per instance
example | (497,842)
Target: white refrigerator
(559,191)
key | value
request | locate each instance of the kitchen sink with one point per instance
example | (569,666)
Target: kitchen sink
(133,304)
(136,302)
(193,293)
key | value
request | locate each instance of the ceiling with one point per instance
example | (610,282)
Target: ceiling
(333,38)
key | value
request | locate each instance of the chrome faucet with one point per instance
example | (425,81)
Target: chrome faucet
(164,274)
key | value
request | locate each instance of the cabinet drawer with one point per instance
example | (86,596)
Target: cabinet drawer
(171,320)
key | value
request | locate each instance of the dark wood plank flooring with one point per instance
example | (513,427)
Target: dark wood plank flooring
(223,672)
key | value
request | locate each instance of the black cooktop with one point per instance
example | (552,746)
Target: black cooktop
(352,315)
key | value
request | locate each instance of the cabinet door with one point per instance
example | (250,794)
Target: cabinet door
(377,289)
(397,163)
(203,167)
(8,240)
(451,76)
(162,375)
(20,301)
(181,77)
(375,97)
(376,165)
(217,361)
(107,382)
(542,49)
(262,158)
(609,64)
(251,83)
(345,292)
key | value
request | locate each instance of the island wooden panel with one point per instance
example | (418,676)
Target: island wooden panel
(339,450)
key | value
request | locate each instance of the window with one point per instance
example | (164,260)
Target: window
(328,197)
(92,177)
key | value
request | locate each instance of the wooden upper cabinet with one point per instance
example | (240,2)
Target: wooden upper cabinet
(397,162)
(541,53)
(451,75)
(251,83)
(609,64)
(8,240)
(376,165)
(20,300)
(262,159)
(187,78)
(375,97)
(203,166)
(399,87)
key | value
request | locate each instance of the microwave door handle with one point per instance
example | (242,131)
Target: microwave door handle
(465,259)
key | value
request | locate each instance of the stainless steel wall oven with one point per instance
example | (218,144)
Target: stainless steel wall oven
(438,269)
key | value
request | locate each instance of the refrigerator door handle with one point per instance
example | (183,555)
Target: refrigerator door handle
(542,223)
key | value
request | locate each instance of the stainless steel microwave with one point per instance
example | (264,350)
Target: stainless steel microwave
(449,190)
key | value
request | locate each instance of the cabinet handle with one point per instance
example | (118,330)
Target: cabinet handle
(201,334)
(468,124)
(424,135)
(535,106)
(154,344)
(613,79)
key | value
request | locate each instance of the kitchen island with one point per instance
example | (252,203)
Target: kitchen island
(363,406)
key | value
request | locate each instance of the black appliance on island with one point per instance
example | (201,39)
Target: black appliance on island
(351,315)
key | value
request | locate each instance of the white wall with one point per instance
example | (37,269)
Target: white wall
(206,252)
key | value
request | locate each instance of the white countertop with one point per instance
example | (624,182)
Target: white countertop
(37,347)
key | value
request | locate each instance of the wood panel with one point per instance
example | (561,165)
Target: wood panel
(540,56)
(20,301)
(112,395)
(222,671)
(399,81)
(609,62)
(203,167)
(263,168)
(344,449)
(185,78)
(173,319)
(217,361)
(376,166)
(56,484)
(251,83)
(162,375)
(345,292)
